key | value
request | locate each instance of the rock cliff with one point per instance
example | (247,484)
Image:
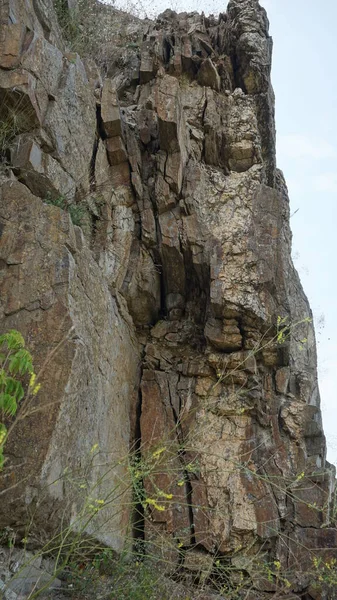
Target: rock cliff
(171,321)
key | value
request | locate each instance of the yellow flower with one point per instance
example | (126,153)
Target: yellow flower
(164,495)
(153,503)
(32,380)
(3,433)
(36,389)
(158,453)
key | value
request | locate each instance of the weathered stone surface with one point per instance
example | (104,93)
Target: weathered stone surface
(20,96)
(41,173)
(12,37)
(146,63)
(66,314)
(226,336)
(73,141)
(110,110)
(116,151)
(208,75)
(188,257)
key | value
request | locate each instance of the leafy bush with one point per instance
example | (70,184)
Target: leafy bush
(15,362)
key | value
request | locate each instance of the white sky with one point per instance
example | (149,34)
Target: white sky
(305,83)
(305,49)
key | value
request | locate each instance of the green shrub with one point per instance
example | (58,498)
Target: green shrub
(15,363)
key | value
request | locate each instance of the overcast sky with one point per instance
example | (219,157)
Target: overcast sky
(305,83)
(305,52)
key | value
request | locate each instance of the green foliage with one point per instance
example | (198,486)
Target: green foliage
(15,362)
(76,212)
(137,473)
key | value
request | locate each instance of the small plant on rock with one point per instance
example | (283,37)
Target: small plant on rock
(15,362)
(76,212)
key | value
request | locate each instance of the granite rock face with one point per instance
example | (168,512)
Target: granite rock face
(177,323)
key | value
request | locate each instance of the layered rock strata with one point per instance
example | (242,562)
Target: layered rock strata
(177,324)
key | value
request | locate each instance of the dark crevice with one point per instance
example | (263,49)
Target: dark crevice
(203,153)
(189,496)
(100,126)
(159,261)
(92,166)
(95,218)
(197,287)
(182,458)
(167,50)
(242,332)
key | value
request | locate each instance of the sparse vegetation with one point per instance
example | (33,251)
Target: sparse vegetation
(98,30)
(76,211)
(87,567)
(15,119)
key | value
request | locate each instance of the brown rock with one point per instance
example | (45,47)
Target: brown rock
(208,75)
(146,63)
(168,110)
(282,380)
(80,383)
(110,110)
(41,173)
(225,336)
(242,156)
(12,36)
(116,150)
(19,96)
(190,257)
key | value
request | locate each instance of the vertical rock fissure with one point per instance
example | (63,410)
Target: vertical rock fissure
(182,459)
(92,165)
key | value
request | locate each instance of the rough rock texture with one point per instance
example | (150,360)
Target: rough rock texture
(186,267)
(54,292)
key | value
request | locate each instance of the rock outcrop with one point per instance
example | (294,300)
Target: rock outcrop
(176,323)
